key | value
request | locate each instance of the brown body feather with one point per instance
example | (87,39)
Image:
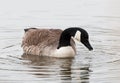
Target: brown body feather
(42,41)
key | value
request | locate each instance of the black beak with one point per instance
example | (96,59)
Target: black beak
(87,44)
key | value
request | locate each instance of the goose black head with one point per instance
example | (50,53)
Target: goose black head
(82,36)
(78,34)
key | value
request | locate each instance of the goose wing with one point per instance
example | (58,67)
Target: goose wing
(40,37)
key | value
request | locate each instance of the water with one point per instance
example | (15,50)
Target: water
(101,18)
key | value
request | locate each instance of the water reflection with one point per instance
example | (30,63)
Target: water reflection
(54,69)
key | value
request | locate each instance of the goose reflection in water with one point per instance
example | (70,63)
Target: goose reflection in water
(57,70)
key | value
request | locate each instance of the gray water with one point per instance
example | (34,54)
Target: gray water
(101,18)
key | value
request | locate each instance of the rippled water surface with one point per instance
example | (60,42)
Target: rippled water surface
(101,18)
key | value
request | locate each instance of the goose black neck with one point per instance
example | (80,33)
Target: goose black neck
(66,37)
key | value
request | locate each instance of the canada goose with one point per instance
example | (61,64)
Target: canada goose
(54,42)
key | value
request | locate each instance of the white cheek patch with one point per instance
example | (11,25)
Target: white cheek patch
(77,36)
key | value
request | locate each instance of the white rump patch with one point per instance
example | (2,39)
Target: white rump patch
(77,36)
